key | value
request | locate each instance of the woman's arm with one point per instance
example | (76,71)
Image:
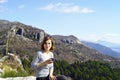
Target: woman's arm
(35,60)
(51,71)
(51,76)
(49,61)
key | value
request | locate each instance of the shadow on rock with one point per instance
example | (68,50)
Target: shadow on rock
(62,77)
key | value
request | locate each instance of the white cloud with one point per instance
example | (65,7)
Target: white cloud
(3,1)
(48,7)
(21,6)
(86,10)
(91,37)
(113,38)
(2,9)
(66,8)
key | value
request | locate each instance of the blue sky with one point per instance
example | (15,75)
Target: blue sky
(86,19)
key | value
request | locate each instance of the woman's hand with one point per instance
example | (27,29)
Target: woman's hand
(48,61)
(51,77)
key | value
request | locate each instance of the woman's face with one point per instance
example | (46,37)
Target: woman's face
(47,45)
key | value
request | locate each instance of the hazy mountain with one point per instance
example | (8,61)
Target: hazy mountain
(113,46)
(102,49)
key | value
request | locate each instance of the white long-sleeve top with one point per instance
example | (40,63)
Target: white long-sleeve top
(44,70)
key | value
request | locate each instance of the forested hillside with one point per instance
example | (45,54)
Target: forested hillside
(90,70)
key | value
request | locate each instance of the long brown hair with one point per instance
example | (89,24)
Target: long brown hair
(44,41)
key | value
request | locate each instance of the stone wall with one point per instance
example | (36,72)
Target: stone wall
(19,78)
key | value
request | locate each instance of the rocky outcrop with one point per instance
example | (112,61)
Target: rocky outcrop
(63,77)
(67,39)
(22,30)
(10,62)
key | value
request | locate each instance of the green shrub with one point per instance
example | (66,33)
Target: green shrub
(13,73)
(9,73)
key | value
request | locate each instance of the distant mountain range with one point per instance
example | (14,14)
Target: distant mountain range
(113,46)
(104,48)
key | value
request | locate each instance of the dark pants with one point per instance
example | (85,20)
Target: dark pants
(42,78)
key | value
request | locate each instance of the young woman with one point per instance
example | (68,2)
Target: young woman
(43,60)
